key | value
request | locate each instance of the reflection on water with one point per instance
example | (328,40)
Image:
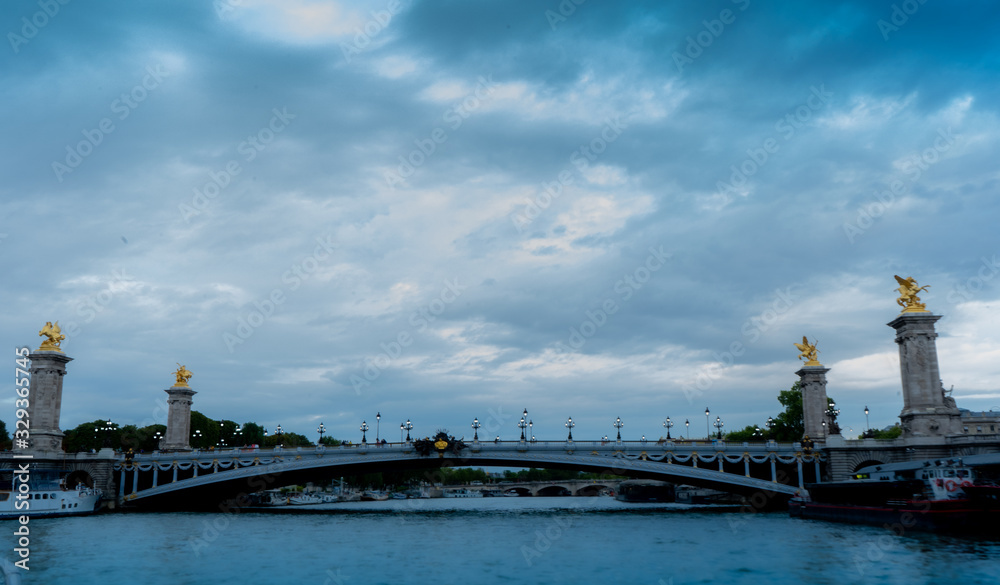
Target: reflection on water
(493,540)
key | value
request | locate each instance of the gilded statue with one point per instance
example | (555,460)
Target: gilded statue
(183,375)
(809,352)
(908,298)
(53,337)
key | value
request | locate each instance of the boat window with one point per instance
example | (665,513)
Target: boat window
(949,473)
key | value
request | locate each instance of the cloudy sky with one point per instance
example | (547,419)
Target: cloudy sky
(447,210)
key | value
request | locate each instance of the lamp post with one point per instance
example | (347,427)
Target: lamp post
(708,431)
(718,426)
(156,437)
(278,432)
(196,438)
(618,424)
(569,425)
(687,425)
(668,424)
(522,424)
(531,430)
(475,427)
(401,427)
(321,429)
(831,413)
(378,419)
(364,429)
(408,427)
(238,435)
(866,419)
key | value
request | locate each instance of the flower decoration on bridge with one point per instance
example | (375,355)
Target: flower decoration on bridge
(442,442)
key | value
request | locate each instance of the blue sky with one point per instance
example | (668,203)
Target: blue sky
(448,210)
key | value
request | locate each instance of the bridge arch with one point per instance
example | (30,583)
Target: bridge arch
(867,463)
(553,491)
(213,477)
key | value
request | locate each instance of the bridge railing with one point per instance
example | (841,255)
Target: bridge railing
(600,445)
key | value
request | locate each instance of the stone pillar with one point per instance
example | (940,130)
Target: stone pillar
(812,382)
(927,412)
(45,400)
(177,437)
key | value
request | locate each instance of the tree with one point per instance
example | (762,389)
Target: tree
(893,432)
(788,426)
(747,433)
(5,443)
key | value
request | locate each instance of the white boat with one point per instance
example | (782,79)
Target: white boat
(47,495)
(511,494)
(304,500)
(463,493)
(399,496)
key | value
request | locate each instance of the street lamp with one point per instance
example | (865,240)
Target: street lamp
(321,429)
(569,425)
(475,426)
(718,425)
(522,424)
(378,419)
(531,431)
(408,427)
(197,435)
(687,424)
(668,424)
(364,429)
(866,418)
(708,431)
(831,414)
(238,435)
(278,432)
(618,424)
(156,437)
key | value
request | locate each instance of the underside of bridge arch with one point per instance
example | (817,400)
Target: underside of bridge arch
(591,490)
(553,491)
(226,489)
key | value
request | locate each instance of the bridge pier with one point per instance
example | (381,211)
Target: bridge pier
(927,412)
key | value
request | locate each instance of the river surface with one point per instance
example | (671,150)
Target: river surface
(520,541)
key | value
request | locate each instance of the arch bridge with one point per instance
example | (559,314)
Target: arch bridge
(203,479)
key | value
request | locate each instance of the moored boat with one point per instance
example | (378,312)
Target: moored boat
(918,495)
(462,493)
(46,495)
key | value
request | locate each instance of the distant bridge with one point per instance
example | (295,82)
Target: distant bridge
(205,478)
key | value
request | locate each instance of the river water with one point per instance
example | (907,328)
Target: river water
(520,541)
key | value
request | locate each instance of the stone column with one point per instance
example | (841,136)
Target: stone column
(927,412)
(812,381)
(45,400)
(177,437)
